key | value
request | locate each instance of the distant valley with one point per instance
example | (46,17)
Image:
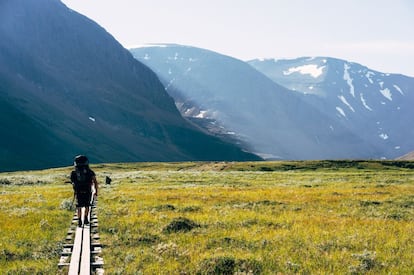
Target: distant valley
(67,87)
(305,108)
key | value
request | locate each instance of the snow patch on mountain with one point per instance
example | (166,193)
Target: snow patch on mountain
(202,114)
(364,102)
(384,136)
(368,76)
(386,93)
(348,79)
(171,82)
(310,69)
(340,111)
(343,99)
(398,89)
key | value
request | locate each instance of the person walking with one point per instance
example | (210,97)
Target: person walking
(83,179)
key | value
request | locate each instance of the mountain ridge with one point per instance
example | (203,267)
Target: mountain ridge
(71,88)
(340,130)
(270,119)
(376,105)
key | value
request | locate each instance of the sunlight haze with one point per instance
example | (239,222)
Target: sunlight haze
(375,33)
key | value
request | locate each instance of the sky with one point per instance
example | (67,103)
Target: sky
(378,34)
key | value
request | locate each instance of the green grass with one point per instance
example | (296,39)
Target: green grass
(312,217)
(32,224)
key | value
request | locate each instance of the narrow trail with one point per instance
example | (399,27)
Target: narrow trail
(81,252)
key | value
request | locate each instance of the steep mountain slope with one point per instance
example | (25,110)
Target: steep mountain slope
(68,87)
(409,156)
(264,116)
(376,106)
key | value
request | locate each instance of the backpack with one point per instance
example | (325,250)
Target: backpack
(82,179)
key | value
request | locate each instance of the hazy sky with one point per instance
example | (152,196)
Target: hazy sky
(376,33)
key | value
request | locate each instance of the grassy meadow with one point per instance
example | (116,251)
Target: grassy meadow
(312,217)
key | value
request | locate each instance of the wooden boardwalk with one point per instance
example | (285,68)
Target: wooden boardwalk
(80,254)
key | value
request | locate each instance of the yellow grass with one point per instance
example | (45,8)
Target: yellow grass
(262,218)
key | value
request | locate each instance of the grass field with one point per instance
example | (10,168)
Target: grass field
(312,217)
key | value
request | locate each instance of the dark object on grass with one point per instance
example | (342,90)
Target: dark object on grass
(220,265)
(229,265)
(180,224)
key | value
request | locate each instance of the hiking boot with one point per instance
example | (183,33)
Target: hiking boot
(80,222)
(86,220)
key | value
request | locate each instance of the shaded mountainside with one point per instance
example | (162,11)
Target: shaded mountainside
(376,106)
(229,96)
(68,87)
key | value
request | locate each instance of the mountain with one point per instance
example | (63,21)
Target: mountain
(231,98)
(408,156)
(68,87)
(376,106)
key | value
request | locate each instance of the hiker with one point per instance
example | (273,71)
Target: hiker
(82,180)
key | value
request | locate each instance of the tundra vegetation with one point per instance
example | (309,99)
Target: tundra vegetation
(337,217)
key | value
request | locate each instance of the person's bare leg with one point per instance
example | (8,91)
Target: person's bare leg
(86,221)
(79,216)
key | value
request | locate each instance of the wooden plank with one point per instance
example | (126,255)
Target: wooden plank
(76,252)
(85,245)
(85,267)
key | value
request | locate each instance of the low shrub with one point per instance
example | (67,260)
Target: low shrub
(147,239)
(220,265)
(229,265)
(367,261)
(67,204)
(180,224)
(164,207)
(5,182)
